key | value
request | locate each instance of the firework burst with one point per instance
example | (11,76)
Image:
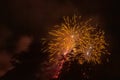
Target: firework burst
(78,39)
(64,38)
(91,45)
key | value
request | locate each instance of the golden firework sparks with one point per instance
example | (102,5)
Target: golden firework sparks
(92,45)
(80,38)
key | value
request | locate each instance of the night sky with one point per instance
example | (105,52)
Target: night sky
(38,16)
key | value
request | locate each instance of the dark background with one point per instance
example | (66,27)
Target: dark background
(37,16)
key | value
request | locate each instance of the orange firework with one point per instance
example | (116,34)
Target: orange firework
(80,38)
(91,45)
